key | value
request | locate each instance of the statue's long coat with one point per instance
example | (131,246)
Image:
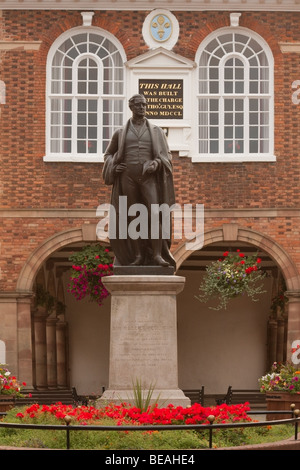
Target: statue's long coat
(113,156)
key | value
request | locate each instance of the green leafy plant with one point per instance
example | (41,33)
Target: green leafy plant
(279,302)
(89,266)
(233,275)
(44,299)
(282,377)
(142,397)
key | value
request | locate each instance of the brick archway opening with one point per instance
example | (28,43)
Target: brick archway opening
(48,266)
(234,233)
(277,331)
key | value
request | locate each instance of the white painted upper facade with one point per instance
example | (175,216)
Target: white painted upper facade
(173,5)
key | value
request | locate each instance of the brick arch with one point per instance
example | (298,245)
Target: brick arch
(44,251)
(233,232)
(112,26)
(36,259)
(246,21)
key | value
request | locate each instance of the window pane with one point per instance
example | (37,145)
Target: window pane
(55,146)
(81,146)
(67,146)
(228,87)
(228,132)
(253,87)
(213,87)
(80,38)
(81,132)
(92,119)
(214,146)
(93,88)
(253,132)
(226,38)
(253,146)
(92,133)
(228,118)
(96,38)
(55,87)
(92,105)
(228,146)
(264,146)
(214,133)
(212,45)
(92,146)
(82,88)
(213,73)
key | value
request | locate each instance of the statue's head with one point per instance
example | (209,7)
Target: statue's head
(136,99)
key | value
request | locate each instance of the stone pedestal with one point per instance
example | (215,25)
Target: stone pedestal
(143,338)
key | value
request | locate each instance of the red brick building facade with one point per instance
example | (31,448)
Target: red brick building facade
(48,205)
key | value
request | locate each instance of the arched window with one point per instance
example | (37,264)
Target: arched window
(85,94)
(235,97)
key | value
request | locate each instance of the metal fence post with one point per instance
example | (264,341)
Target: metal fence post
(211,419)
(68,420)
(296,414)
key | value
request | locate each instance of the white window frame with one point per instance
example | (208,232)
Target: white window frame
(221,156)
(75,96)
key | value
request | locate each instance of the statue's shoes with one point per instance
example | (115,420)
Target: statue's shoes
(160,261)
(137,262)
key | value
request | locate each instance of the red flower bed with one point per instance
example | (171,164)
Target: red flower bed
(127,414)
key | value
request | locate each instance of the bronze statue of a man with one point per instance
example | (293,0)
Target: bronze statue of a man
(137,163)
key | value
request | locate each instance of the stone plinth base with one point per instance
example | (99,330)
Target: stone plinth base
(161,397)
(143,338)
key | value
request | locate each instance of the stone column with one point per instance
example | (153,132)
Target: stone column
(24,341)
(143,338)
(40,317)
(62,378)
(293,312)
(272,341)
(51,352)
(9,329)
(280,340)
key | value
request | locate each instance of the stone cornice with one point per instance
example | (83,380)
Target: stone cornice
(10,297)
(20,45)
(91,213)
(173,5)
(287,47)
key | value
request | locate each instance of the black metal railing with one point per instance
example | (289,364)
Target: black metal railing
(68,427)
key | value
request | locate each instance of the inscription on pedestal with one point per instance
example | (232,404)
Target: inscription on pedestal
(146,347)
(147,343)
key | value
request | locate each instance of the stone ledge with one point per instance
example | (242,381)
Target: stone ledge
(288,444)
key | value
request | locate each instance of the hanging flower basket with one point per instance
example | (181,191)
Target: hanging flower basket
(89,266)
(231,276)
